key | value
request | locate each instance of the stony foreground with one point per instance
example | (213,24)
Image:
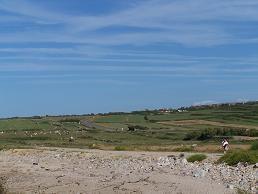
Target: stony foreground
(46,170)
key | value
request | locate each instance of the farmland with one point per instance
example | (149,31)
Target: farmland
(151,130)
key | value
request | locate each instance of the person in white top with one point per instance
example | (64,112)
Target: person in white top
(225,145)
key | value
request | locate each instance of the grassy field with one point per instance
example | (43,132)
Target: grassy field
(188,129)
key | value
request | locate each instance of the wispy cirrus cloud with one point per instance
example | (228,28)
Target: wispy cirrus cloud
(91,38)
(186,22)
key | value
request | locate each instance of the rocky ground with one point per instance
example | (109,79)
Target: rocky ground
(46,170)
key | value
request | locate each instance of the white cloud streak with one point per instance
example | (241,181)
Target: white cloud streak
(192,23)
(198,23)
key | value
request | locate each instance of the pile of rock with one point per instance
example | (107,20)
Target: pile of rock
(103,169)
(242,176)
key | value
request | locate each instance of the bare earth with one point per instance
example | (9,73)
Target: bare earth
(46,170)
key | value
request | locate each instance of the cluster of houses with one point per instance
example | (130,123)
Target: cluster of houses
(166,110)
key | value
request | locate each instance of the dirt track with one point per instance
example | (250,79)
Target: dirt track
(92,171)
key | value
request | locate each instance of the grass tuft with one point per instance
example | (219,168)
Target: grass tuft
(240,191)
(196,157)
(120,148)
(234,157)
(254,146)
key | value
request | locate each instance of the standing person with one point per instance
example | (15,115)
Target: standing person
(225,145)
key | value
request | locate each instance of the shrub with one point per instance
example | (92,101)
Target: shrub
(222,132)
(135,127)
(254,146)
(234,157)
(70,120)
(120,148)
(192,135)
(152,121)
(253,133)
(206,134)
(131,128)
(141,127)
(196,157)
(200,135)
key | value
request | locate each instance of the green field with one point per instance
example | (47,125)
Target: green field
(142,130)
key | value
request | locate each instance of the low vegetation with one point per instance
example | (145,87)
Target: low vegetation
(241,191)
(234,157)
(70,120)
(254,146)
(207,134)
(120,148)
(140,130)
(246,156)
(196,157)
(137,127)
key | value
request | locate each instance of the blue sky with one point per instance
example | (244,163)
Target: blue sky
(83,56)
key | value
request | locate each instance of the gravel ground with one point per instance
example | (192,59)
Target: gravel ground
(56,170)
